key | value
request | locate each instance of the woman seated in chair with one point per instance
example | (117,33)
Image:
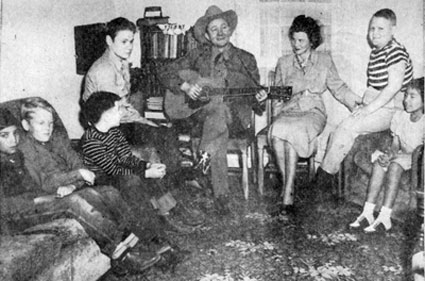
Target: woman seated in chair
(407,128)
(299,121)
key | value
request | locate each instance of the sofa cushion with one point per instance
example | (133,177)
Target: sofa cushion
(81,261)
(24,256)
(69,231)
(14,106)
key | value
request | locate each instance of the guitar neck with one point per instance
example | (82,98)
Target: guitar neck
(242,92)
(274,92)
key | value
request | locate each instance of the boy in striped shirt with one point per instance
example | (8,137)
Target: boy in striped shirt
(389,71)
(108,154)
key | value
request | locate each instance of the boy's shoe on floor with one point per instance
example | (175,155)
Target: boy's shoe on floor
(134,262)
(176,226)
(188,216)
(170,259)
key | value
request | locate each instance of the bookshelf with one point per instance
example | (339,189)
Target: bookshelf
(160,43)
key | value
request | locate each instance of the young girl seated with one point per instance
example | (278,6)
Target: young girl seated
(407,128)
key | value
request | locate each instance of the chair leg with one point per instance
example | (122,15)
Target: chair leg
(253,151)
(260,167)
(340,187)
(311,169)
(245,184)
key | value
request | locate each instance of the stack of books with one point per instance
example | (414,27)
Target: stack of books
(154,110)
(155,103)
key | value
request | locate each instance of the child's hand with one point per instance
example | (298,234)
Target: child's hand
(88,176)
(156,170)
(65,190)
(385,158)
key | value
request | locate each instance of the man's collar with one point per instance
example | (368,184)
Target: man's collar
(227,51)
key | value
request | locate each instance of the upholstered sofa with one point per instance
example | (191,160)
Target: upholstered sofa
(59,250)
(356,170)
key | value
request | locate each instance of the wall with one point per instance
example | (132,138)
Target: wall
(350,48)
(37,44)
(37,51)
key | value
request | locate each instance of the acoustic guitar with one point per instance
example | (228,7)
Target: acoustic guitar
(180,106)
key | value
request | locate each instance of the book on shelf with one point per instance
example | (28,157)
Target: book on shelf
(155,103)
(154,45)
(166,46)
(157,115)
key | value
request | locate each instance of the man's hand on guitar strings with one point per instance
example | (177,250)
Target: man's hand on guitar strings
(192,90)
(261,95)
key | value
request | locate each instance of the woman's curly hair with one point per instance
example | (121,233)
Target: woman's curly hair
(308,25)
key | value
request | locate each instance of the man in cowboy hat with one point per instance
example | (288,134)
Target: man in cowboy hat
(218,59)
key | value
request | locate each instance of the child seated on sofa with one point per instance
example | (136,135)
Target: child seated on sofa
(407,128)
(108,154)
(60,178)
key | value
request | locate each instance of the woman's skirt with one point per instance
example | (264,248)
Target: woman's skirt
(300,129)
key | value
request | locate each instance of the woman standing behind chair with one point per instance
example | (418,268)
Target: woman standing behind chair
(299,121)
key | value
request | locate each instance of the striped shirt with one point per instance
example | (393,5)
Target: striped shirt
(381,59)
(109,153)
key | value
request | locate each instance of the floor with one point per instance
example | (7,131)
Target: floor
(252,244)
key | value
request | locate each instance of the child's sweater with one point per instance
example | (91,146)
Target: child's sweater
(109,153)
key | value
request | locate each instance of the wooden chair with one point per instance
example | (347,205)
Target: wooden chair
(263,146)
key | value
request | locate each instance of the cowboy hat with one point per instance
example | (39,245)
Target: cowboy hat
(212,13)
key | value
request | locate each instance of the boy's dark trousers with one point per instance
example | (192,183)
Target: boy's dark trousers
(100,210)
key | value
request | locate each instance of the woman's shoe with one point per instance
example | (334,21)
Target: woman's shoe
(374,226)
(360,219)
(287,210)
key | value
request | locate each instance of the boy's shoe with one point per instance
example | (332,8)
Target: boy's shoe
(129,242)
(155,244)
(204,162)
(176,226)
(194,184)
(188,216)
(170,259)
(134,262)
